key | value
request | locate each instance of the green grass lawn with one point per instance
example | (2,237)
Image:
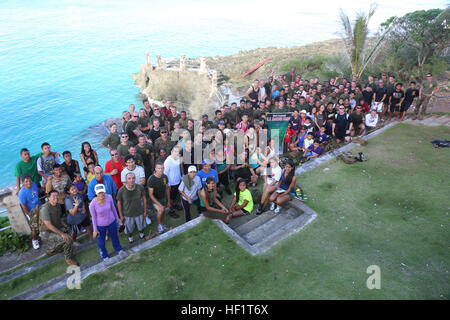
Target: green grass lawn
(391,211)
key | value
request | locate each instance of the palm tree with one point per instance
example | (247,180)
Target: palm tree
(356,40)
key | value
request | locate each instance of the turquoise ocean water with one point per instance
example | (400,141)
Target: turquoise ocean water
(67,65)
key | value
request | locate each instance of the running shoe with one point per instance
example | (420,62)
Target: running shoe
(272,206)
(277,209)
(35,244)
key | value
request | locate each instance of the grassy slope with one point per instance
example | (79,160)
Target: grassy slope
(405,234)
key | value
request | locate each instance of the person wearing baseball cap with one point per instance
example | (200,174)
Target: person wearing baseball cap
(104,219)
(188,188)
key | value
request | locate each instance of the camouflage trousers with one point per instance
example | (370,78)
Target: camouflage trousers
(34,219)
(422,103)
(57,244)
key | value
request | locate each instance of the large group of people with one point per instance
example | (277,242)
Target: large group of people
(162,160)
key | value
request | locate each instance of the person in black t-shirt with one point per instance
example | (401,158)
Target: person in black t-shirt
(379,99)
(410,95)
(396,100)
(368,94)
(341,125)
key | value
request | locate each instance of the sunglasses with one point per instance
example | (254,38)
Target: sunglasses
(124,136)
(114,154)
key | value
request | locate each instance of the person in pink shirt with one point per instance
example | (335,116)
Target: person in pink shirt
(243,125)
(104,218)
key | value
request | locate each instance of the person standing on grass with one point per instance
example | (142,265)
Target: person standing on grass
(54,230)
(132,206)
(285,187)
(242,203)
(104,219)
(172,169)
(379,99)
(112,140)
(77,217)
(428,89)
(411,94)
(341,125)
(396,100)
(159,194)
(189,188)
(30,203)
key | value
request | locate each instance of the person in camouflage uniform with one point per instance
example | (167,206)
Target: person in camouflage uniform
(163,142)
(429,87)
(54,231)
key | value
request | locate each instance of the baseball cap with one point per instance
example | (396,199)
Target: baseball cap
(221,122)
(303,111)
(205,116)
(206,161)
(163,129)
(99,188)
(192,169)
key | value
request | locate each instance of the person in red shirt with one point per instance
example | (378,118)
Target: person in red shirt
(288,136)
(166,109)
(364,106)
(114,167)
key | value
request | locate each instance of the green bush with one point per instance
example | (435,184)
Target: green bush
(4,222)
(12,241)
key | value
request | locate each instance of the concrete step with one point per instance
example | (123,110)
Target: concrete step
(254,223)
(271,226)
(281,232)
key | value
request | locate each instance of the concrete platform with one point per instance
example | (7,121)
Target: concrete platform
(257,234)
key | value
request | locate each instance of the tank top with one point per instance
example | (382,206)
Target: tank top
(70,168)
(301,139)
(254,95)
(210,200)
(91,156)
(283,184)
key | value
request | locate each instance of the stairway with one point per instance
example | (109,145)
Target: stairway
(263,231)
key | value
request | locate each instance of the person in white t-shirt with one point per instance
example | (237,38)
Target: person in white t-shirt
(371,120)
(172,169)
(131,166)
(272,175)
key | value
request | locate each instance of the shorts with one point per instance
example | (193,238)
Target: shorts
(341,134)
(394,108)
(405,107)
(163,201)
(131,222)
(377,106)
